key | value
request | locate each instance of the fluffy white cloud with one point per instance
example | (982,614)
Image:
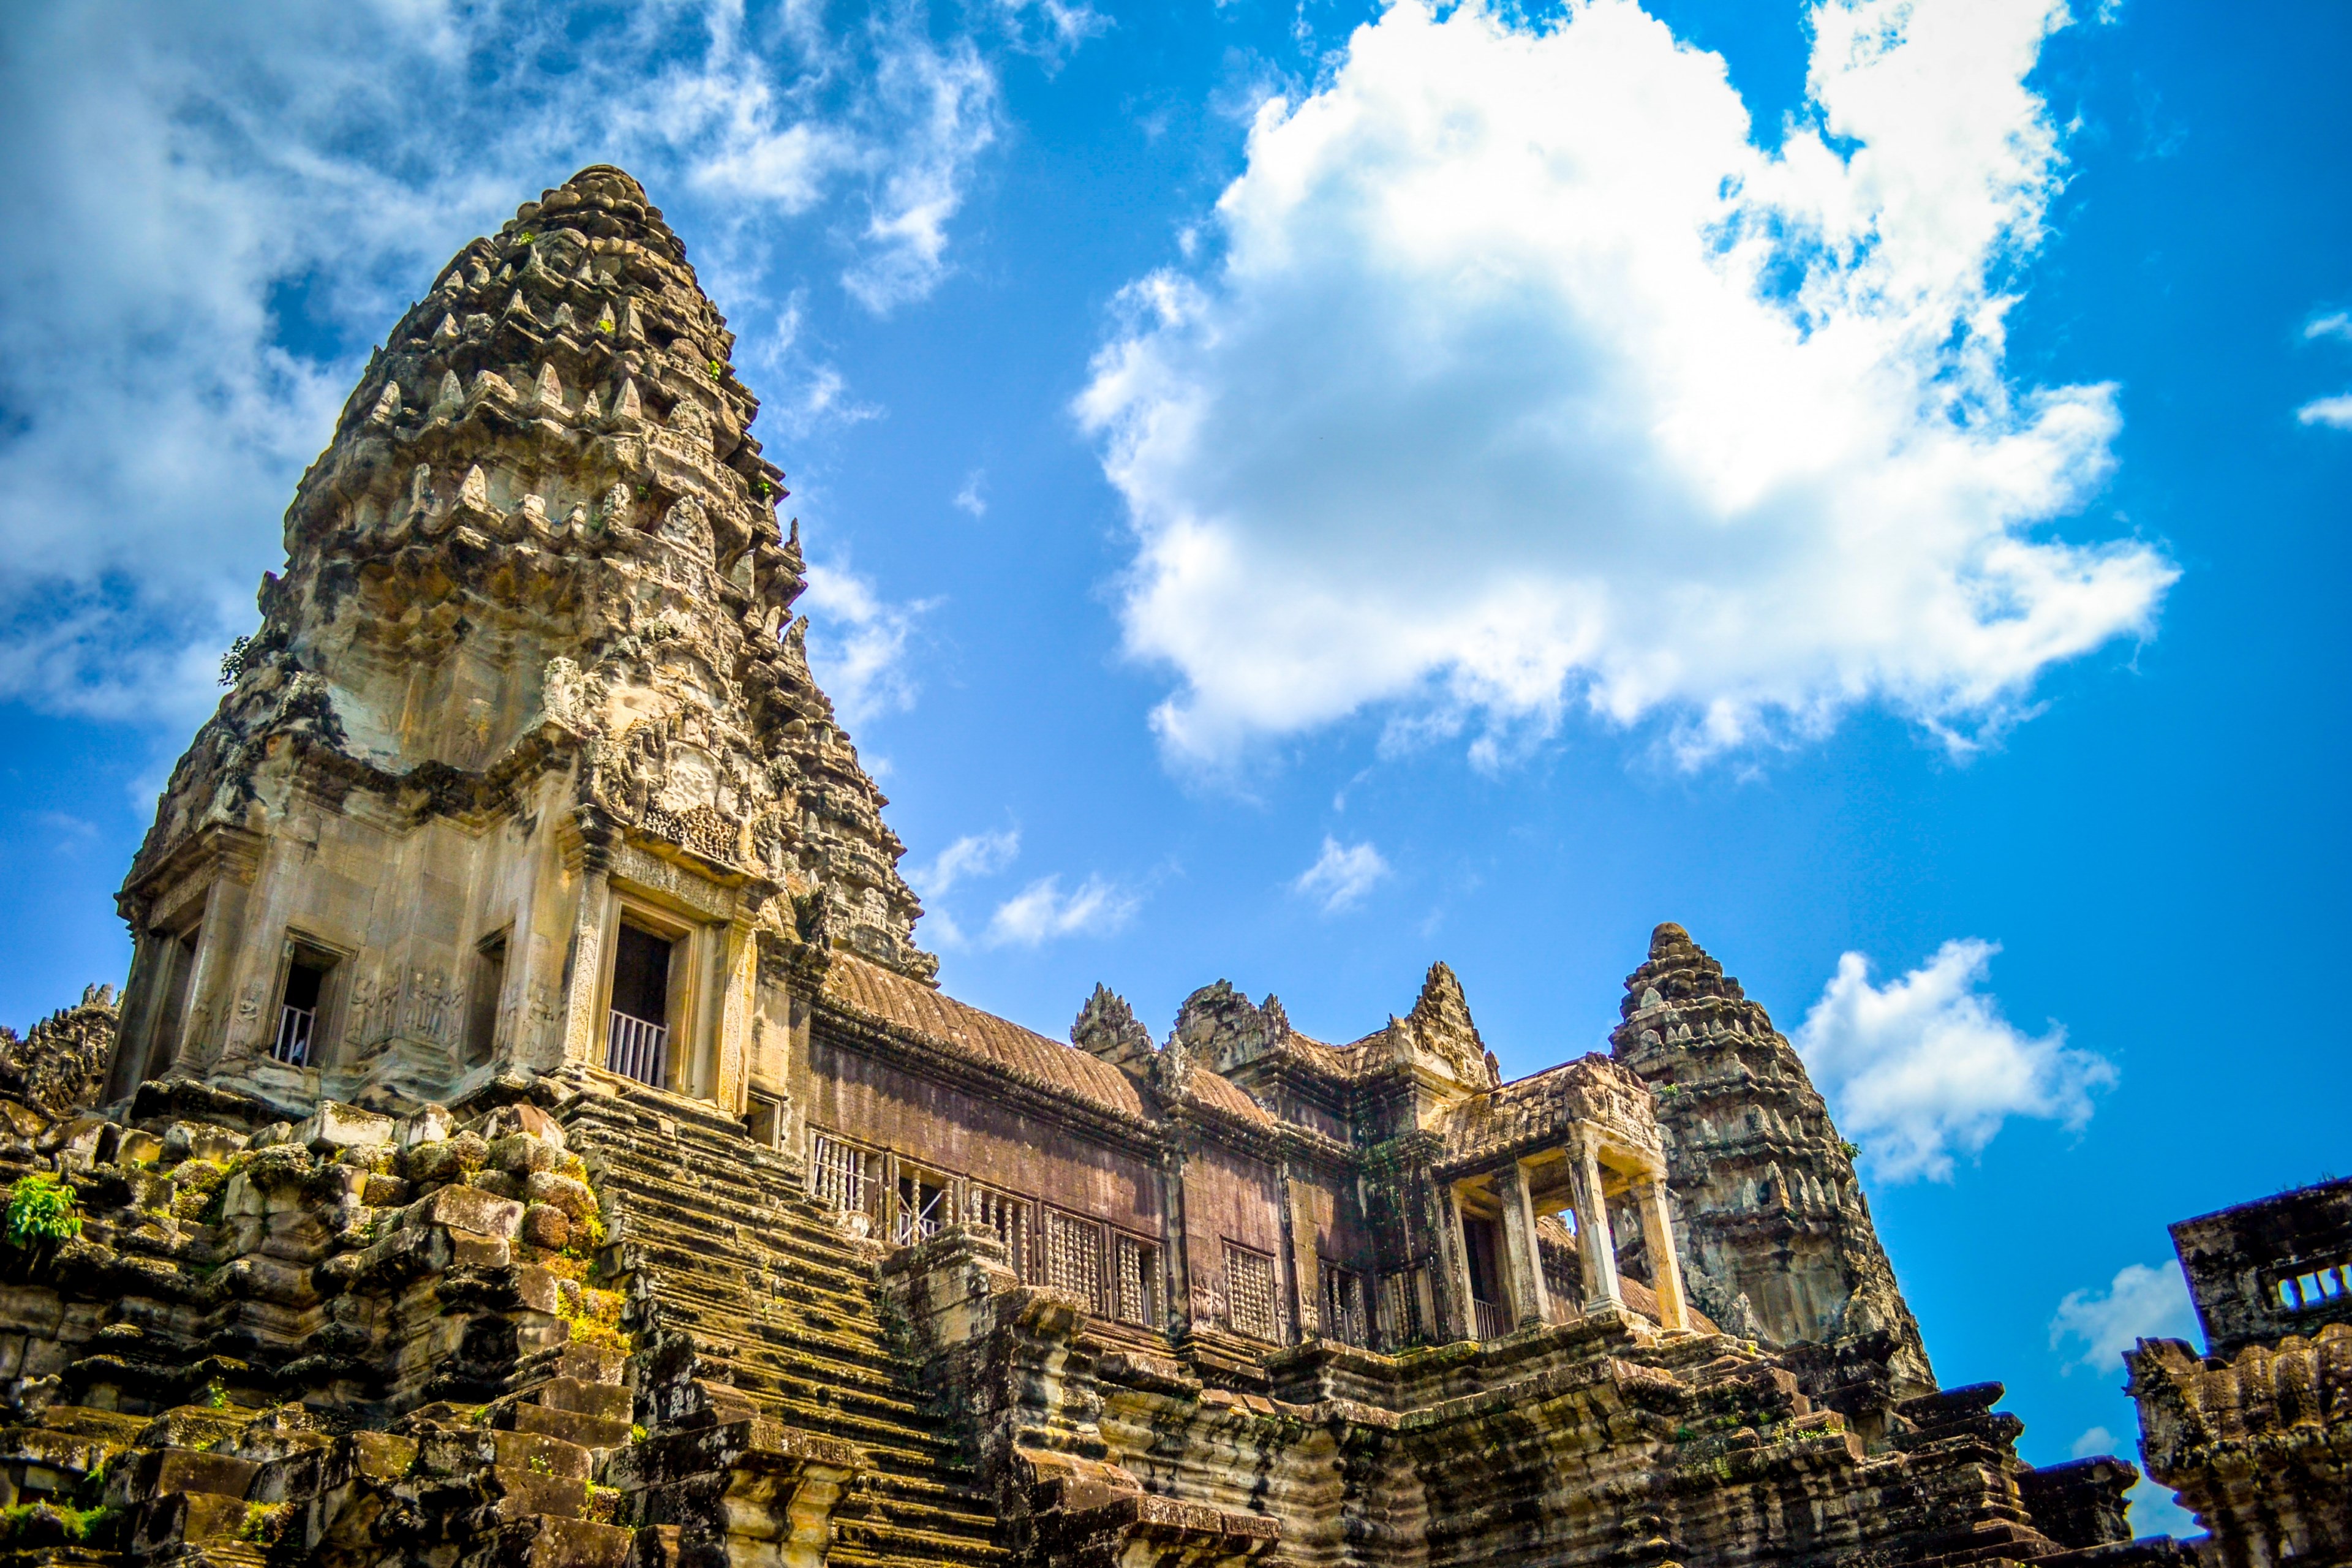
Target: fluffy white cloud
(1926,1068)
(2335,412)
(1524,378)
(973,855)
(858,644)
(1342,875)
(1042,911)
(2139,1303)
(212,208)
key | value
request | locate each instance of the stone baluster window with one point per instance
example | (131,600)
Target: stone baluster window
(1250,1304)
(1074,1256)
(1008,1217)
(1344,1317)
(838,1173)
(1399,1309)
(1139,1282)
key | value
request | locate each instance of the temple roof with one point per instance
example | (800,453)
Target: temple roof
(870,990)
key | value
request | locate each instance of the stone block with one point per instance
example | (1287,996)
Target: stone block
(553,1542)
(544,1225)
(335,1127)
(566,1192)
(521,1155)
(541,1454)
(570,1425)
(470,1210)
(604,1400)
(153,1472)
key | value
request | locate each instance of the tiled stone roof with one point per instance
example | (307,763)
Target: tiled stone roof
(867,990)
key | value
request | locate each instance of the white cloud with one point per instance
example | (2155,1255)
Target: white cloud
(1342,875)
(973,855)
(2335,412)
(971,499)
(2097,1440)
(212,208)
(2139,1303)
(858,644)
(1042,911)
(1926,1068)
(1526,380)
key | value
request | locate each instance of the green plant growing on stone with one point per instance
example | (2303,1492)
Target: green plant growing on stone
(538,1465)
(41,1210)
(717,370)
(232,664)
(264,1523)
(1852,1149)
(76,1524)
(215,1397)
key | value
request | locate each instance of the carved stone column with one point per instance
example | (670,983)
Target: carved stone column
(1594,1245)
(1523,1258)
(583,1029)
(1456,1319)
(739,978)
(1658,1240)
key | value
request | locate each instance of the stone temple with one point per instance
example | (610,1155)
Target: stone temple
(530,1133)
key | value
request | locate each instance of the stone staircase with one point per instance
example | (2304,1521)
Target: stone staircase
(749,1300)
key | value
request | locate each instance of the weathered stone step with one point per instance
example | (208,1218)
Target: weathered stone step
(717,1250)
(838,1337)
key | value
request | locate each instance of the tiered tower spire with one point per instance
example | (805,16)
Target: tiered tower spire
(536,593)
(1775,1234)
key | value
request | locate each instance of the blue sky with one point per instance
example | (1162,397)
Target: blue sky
(1301,491)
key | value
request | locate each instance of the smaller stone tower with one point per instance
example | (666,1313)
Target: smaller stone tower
(1776,1235)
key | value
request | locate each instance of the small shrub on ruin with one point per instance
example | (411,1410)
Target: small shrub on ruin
(41,1210)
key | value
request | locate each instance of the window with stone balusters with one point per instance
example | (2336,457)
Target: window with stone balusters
(1008,1217)
(1343,1307)
(1139,1282)
(1251,1307)
(1074,1254)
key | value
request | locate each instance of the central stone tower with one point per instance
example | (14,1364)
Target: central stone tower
(526,760)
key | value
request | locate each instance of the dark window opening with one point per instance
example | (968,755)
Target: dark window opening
(298,1014)
(638,1042)
(1481,1252)
(764,1121)
(483,993)
(641,976)
(178,978)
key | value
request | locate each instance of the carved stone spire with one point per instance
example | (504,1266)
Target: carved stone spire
(1770,1207)
(1108,1027)
(505,607)
(477,518)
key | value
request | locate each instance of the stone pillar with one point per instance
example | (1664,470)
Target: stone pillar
(583,1027)
(1176,1254)
(1594,1245)
(739,976)
(1665,1269)
(1305,1261)
(1456,1319)
(1520,1254)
